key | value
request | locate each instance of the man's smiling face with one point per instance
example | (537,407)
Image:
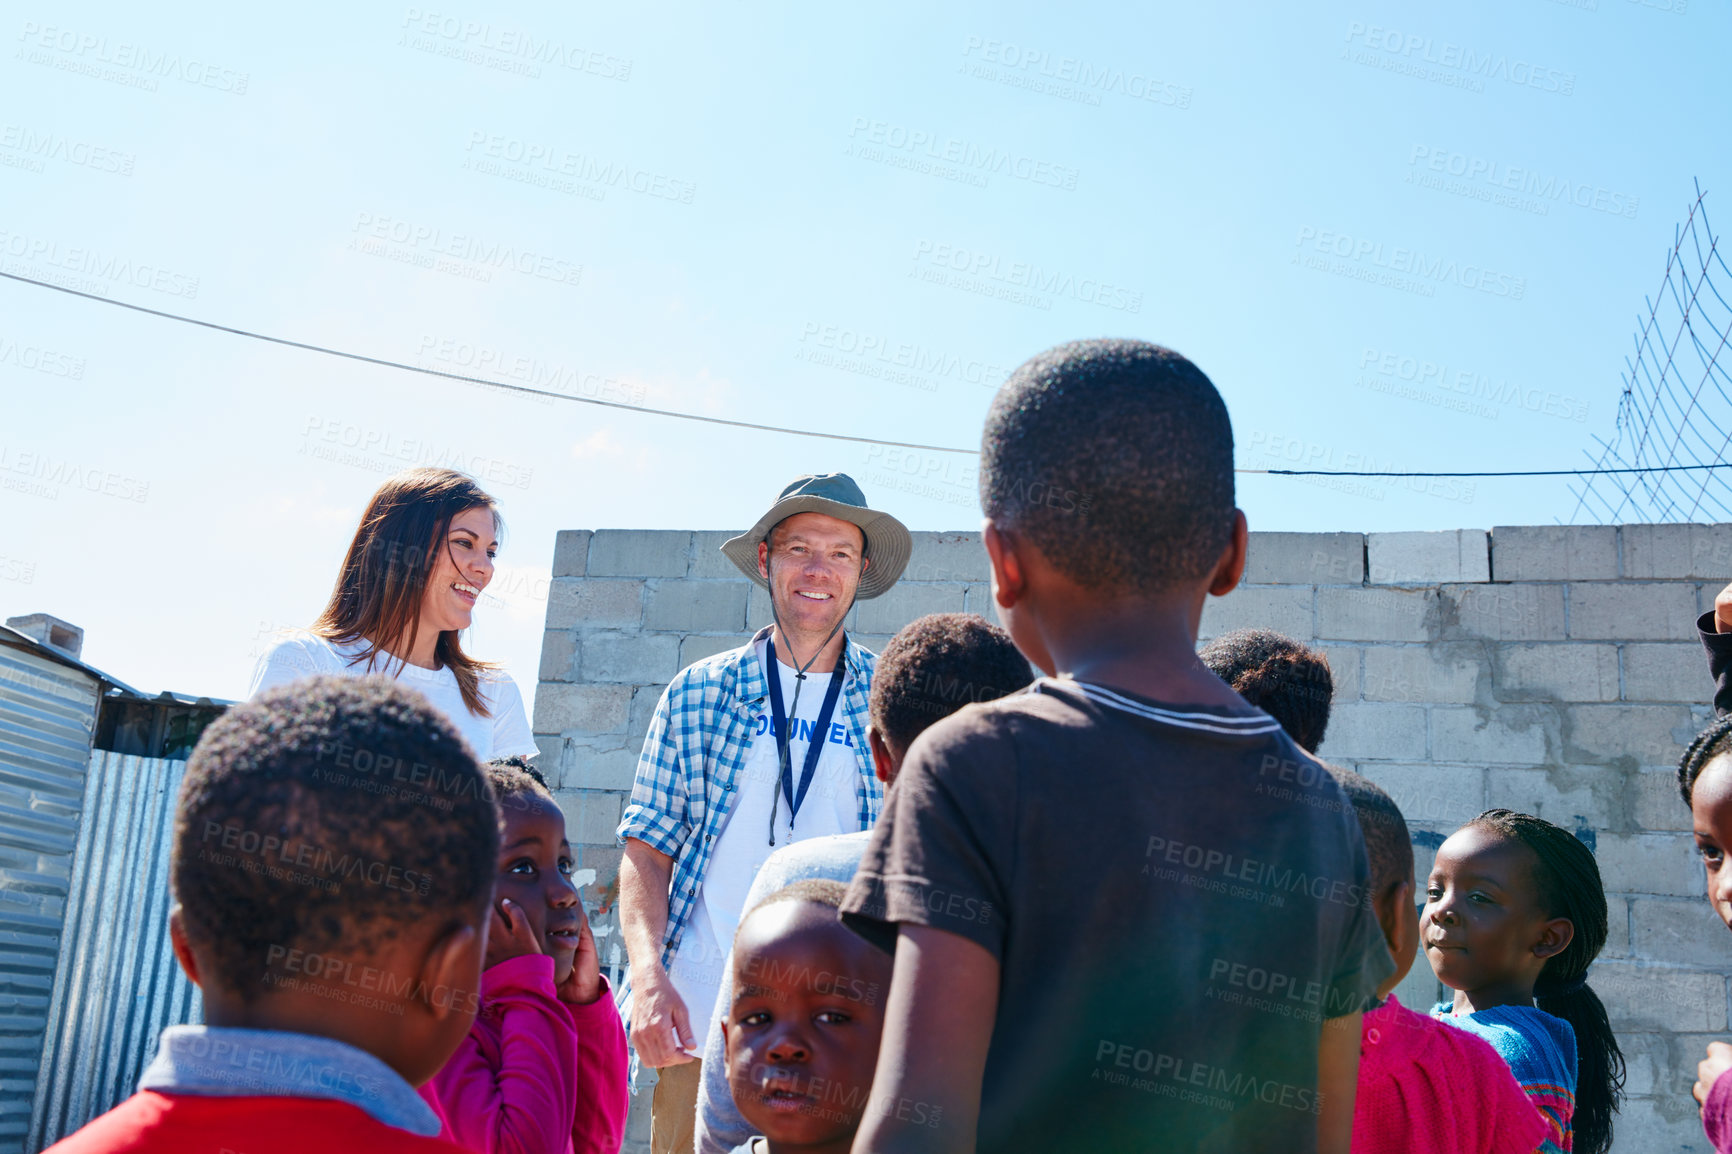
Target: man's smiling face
(813,562)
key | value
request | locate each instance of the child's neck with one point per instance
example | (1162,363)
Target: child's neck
(839,1145)
(1146,647)
(1512,993)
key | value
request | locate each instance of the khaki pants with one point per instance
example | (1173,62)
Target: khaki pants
(674,1109)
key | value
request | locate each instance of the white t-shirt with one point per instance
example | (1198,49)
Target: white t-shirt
(504,734)
(831,806)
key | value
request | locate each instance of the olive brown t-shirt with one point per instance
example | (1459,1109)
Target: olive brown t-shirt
(1177,900)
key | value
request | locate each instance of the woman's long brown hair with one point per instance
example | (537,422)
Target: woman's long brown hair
(383,580)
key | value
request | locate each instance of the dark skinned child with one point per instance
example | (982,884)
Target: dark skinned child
(802,1032)
(1705,780)
(1515,913)
(543,1070)
(337,933)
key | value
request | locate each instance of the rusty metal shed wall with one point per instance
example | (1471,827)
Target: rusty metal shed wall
(47,715)
(117,985)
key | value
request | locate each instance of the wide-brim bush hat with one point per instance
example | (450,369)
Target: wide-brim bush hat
(888,543)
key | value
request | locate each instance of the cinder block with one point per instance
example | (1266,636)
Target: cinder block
(558,655)
(591,815)
(1664,1124)
(591,709)
(1570,796)
(1345,665)
(1659,805)
(1649,863)
(708,560)
(1446,796)
(1685,931)
(640,553)
(1677,551)
(1554,553)
(1422,673)
(1364,731)
(1428,558)
(694,649)
(549,748)
(903,603)
(696,606)
(643,709)
(1305,559)
(1646,734)
(571,553)
(599,765)
(1646,997)
(978,599)
(1555,672)
(1506,612)
(957,556)
(1509,735)
(1617,928)
(1674,672)
(1359,614)
(1285,609)
(633,658)
(1627,611)
(594,604)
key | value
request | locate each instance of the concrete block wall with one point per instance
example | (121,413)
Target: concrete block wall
(1551,669)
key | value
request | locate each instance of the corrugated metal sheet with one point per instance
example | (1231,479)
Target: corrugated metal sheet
(47,715)
(117,984)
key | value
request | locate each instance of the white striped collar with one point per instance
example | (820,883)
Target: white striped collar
(1252,725)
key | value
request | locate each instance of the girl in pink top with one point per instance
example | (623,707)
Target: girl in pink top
(543,1070)
(1423,1087)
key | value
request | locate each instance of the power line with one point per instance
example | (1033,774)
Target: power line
(389,364)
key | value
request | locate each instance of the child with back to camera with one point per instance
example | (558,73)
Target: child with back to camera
(1423,1087)
(1515,913)
(1286,680)
(336,932)
(803,1028)
(543,1070)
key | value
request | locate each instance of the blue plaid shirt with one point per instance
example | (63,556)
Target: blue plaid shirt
(695,748)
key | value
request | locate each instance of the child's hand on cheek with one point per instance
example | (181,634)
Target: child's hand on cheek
(583,985)
(510,935)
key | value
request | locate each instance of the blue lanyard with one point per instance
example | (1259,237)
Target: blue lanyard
(820,728)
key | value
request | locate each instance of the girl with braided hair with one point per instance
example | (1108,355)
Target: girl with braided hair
(1515,912)
(1705,780)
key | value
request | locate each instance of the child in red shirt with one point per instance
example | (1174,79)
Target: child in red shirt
(543,1070)
(333,917)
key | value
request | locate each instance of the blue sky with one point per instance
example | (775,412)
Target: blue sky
(1396,236)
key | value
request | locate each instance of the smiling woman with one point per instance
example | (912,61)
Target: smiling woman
(406,589)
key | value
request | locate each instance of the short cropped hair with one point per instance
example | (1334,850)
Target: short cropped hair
(937,664)
(333,811)
(1387,842)
(818,891)
(1278,675)
(1114,458)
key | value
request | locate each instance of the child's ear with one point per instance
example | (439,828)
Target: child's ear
(182,948)
(883,764)
(1555,937)
(450,978)
(1231,567)
(1008,579)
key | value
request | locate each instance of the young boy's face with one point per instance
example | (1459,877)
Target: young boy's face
(803,1030)
(1482,922)
(535,867)
(1711,815)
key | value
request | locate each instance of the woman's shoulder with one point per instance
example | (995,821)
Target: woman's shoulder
(297,653)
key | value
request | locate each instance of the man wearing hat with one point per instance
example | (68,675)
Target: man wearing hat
(748,750)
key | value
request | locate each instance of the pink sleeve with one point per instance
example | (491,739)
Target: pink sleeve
(1717,1114)
(511,1087)
(602,1096)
